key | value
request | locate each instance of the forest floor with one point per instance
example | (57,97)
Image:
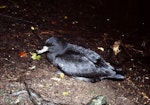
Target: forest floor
(20,38)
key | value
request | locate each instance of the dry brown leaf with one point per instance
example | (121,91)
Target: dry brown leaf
(22,54)
(116,46)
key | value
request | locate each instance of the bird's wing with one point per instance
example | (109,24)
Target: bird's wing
(91,55)
(75,64)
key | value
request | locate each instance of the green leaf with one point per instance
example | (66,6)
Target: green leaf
(35,56)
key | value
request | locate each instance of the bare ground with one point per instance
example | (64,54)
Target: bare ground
(43,79)
(75,27)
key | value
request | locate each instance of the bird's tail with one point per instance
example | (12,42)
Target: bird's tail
(118,77)
(119,74)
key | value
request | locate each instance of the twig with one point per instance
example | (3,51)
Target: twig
(14,18)
(19,92)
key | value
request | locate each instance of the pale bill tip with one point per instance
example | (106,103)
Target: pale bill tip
(44,49)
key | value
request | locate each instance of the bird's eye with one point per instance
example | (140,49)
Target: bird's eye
(49,44)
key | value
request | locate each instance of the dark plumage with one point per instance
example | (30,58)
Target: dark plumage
(78,62)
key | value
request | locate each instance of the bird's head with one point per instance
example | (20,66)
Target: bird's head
(53,45)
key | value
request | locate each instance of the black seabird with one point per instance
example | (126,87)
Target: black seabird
(78,62)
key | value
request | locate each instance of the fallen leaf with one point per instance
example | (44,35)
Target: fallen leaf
(144,95)
(35,56)
(61,75)
(56,79)
(65,93)
(100,48)
(22,54)
(32,28)
(116,46)
(32,67)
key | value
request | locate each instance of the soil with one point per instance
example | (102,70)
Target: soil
(24,26)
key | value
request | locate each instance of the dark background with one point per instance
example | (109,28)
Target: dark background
(125,15)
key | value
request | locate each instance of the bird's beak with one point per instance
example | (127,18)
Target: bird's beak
(44,49)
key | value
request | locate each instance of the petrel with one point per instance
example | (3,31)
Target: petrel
(78,62)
